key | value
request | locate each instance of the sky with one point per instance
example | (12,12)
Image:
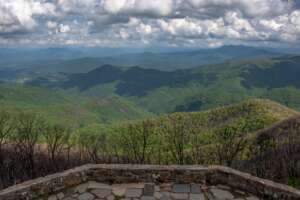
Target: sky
(146,23)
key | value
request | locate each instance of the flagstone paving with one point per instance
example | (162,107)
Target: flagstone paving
(151,191)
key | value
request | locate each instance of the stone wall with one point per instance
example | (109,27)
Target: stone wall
(44,187)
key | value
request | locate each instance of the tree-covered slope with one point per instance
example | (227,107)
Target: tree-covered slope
(229,135)
(67,106)
(277,146)
(195,89)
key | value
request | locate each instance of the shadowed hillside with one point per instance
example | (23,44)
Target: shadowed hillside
(277,152)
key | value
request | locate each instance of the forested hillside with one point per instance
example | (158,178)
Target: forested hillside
(32,145)
(195,89)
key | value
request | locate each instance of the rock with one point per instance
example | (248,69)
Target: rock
(119,191)
(86,196)
(52,197)
(101,192)
(133,192)
(167,187)
(221,194)
(82,188)
(60,195)
(111,197)
(69,198)
(157,195)
(96,185)
(252,198)
(147,198)
(165,196)
(135,185)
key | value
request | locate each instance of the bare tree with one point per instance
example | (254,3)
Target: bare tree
(6,128)
(56,137)
(177,136)
(229,144)
(29,127)
(136,140)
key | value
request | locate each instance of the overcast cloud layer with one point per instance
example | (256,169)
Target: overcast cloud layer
(195,23)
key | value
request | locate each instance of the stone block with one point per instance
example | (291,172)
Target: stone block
(82,188)
(101,192)
(221,194)
(196,197)
(195,188)
(86,196)
(52,197)
(252,198)
(181,188)
(180,196)
(149,189)
(60,195)
(133,193)
(147,198)
(119,190)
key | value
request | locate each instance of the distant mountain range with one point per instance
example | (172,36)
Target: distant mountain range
(194,89)
(247,72)
(71,60)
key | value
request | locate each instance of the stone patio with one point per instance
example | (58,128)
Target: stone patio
(150,191)
(150,182)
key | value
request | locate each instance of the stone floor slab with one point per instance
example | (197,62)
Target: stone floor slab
(196,188)
(196,197)
(222,194)
(149,189)
(181,188)
(180,196)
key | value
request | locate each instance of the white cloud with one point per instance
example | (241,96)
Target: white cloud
(51,24)
(139,7)
(145,29)
(172,22)
(253,8)
(64,28)
(18,15)
(182,27)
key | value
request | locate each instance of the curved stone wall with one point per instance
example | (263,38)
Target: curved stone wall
(43,188)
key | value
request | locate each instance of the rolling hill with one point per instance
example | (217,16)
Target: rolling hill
(257,135)
(151,91)
(60,106)
(194,89)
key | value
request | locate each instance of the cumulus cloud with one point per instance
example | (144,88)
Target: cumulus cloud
(133,22)
(153,8)
(19,15)
(253,8)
